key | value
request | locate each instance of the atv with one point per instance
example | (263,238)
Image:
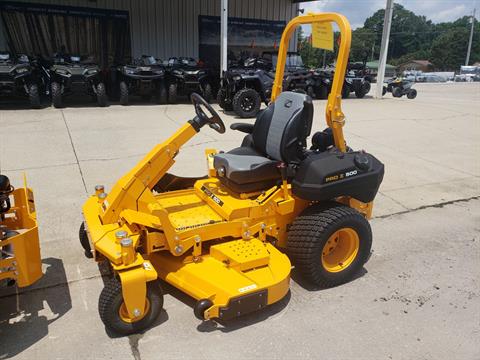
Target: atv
(245,87)
(18,76)
(228,239)
(20,261)
(145,77)
(399,87)
(357,84)
(74,74)
(186,77)
(321,82)
(297,77)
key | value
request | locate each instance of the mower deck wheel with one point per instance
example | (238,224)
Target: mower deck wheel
(82,235)
(329,243)
(114,314)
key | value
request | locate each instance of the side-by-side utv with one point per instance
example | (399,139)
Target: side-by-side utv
(73,74)
(145,77)
(20,261)
(229,239)
(18,77)
(186,77)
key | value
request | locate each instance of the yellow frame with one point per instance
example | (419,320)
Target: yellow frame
(25,265)
(189,218)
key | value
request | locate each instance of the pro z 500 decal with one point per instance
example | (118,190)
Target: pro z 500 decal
(212,195)
(341,176)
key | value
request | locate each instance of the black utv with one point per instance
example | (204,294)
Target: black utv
(19,77)
(145,77)
(244,87)
(356,80)
(186,77)
(297,76)
(74,74)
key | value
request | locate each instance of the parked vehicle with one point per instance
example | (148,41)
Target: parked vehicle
(145,77)
(19,77)
(468,73)
(74,74)
(297,76)
(321,82)
(187,77)
(356,80)
(244,87)
(399,86)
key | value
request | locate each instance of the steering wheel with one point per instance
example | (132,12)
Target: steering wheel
(214,121)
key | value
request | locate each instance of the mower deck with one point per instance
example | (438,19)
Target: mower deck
(230,272)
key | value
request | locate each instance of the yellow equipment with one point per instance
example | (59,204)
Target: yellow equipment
(19,245)
(217,238)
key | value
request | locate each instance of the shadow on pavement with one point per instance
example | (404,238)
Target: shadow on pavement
(26,315)
(297,277)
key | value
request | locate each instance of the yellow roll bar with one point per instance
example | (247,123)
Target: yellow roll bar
(333,113)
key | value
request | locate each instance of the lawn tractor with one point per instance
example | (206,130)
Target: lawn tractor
(228,239)
(20,261)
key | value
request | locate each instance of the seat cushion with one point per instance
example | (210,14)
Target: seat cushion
(244,170)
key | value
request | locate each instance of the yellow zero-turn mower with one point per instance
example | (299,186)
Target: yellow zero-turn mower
(222,238)
(20,260)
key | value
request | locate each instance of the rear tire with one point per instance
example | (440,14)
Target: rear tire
(397,92)
(162,97)
(384,90)
(246,103)
(222,100)
(111,302)
(412,94)
(364,90)
(329,244)
(124,93)
(323,92)
(172,93)
(34,96)
(207,92)
(345,91)
(101,95)
(311,92)
(57,95)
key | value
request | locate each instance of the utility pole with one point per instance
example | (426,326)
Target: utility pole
(382,62)
(223,36)
(472,20)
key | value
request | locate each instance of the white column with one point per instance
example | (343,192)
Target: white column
(472,19)
(223,36)
(382,62)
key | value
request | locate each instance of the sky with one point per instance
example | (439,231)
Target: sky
(357,11)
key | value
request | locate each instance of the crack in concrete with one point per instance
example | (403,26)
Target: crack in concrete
(423,207)
(74,151)
(133,341)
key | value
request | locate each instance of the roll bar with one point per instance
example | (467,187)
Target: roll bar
(333,113)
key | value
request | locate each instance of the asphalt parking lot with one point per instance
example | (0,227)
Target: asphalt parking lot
(419,295)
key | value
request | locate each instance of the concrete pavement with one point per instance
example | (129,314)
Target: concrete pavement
(430,148)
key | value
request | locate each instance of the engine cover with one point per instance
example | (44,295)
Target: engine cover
(327,175)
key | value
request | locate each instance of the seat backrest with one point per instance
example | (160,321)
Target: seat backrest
(280,131)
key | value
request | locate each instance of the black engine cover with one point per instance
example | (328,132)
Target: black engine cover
(327,175)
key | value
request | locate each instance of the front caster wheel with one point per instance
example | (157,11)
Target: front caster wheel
(329,244)
(114,314)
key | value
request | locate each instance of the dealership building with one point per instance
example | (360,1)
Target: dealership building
(114,30)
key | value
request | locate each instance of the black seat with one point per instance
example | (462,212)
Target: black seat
(278,135)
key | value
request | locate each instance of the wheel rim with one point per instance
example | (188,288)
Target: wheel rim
(340,250)
(247,104)
(123,313)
